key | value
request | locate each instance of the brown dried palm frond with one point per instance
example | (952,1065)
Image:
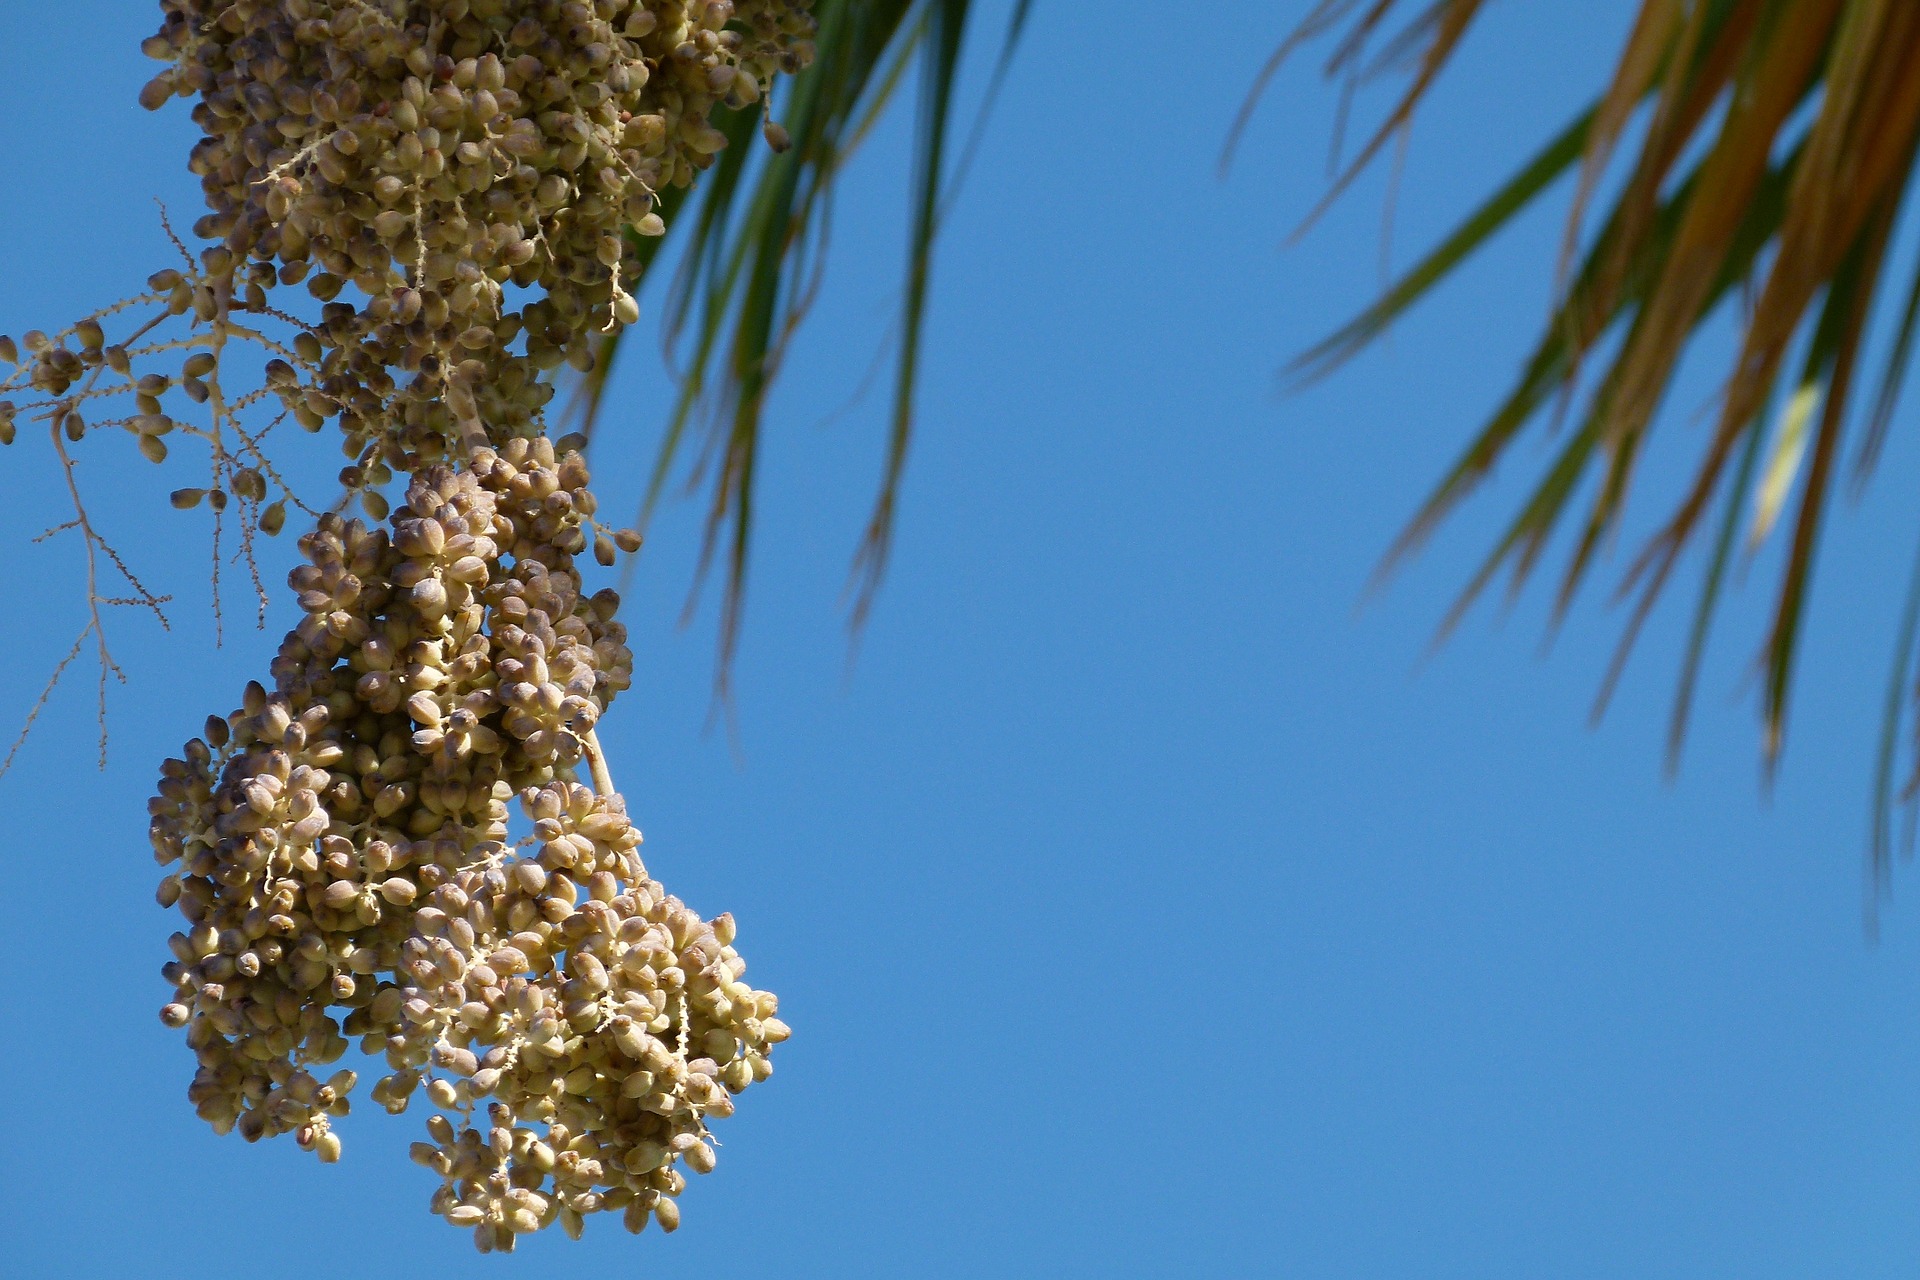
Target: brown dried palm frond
(1779,140)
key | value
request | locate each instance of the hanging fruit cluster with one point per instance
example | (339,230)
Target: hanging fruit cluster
(454,182)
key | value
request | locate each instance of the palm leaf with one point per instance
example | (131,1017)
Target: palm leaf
(751,249)
(1778,143)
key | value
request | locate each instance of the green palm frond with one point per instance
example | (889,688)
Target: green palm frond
(753,247)
(1779,141)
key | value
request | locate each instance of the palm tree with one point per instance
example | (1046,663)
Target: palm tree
(1776,141)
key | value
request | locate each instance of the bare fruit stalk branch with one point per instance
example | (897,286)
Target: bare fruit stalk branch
(597,762)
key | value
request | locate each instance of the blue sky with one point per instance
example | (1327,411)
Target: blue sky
(1142,903)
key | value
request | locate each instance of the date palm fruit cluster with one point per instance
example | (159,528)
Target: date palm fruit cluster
(454,181)
(441,157)
(342,846)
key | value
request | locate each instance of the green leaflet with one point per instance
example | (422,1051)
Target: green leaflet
(752,247)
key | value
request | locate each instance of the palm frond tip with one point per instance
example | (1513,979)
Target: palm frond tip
(1778,143)
(751,252)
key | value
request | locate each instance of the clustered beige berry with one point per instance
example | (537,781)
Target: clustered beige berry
(457,182)
(342,847)
(470,167)
(458,185)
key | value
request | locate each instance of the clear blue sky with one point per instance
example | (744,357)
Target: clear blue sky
(1141,905)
